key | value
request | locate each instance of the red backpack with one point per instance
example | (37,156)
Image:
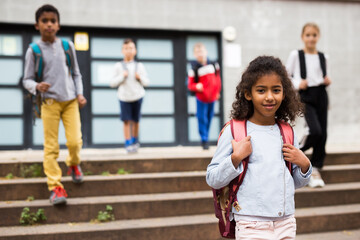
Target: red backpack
(225,198)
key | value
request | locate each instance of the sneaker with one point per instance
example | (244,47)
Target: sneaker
(315,179)
(205,145)
(130,149)
(58,196)
(76,173)
(136,147)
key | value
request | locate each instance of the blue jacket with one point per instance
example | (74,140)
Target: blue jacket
(268,188)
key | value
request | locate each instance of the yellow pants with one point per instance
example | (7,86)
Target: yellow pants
(51,113)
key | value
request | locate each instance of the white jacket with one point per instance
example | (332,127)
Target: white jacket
(129,89)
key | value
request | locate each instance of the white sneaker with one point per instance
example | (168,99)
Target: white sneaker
(130,149)
(315,179)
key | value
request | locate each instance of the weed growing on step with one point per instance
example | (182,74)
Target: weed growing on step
(32,171)
(122,171)
(105,216)
(28,218)
(30,199)
(9,176)
(105,173)
(87,173)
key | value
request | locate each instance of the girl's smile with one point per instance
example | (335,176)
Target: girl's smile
(266,96)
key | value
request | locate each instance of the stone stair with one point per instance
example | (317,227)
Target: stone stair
(162,198)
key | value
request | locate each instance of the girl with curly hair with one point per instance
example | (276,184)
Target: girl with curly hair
(266,207)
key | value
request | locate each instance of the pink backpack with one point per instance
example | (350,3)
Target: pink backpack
(225,198)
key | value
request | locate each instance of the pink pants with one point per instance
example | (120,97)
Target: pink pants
(266,230)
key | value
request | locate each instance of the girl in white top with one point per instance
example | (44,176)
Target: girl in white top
(266,196)
(311,82)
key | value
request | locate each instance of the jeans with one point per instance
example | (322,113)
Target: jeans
(204,114)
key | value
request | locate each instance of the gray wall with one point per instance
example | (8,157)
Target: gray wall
(263,27)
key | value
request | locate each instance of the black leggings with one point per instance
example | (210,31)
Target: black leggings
(316,107)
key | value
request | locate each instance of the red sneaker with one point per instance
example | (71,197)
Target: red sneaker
(58,196)
(76,173)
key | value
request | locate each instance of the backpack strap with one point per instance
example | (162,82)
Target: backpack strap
(322,63)
(238,131)
(196,74)
(68,54)
(38,61)
(287,134)
(302,64)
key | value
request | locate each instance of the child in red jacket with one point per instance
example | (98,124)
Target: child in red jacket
(204,80)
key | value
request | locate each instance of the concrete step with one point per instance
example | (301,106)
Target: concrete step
(341,173)
(175,228)
(132,164)
(124,207)
(145,162)
(342,158)
(336,235)
(139,183)
(197,227)
(163,204)
(331,194)
(330,218)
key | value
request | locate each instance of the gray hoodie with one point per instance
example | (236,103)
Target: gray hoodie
(64,86)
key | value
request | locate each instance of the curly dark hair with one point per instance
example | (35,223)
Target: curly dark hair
(290,107)
(46,8)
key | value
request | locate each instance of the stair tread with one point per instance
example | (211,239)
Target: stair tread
(341,167)
(121,224)
(160,196)
(353,234)
(112,199)
(110,177)
(328,210)
(155,222)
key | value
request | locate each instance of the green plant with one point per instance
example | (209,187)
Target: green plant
(107,215)
(122,171)
(30,198)
(9,176)
(28,218)
(87,173)
(34,170)
(105,173)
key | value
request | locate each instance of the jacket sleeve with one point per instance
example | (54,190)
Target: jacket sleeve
(118,76)
(221,170)
(76,72)
(291,66)
(143,75)
(28,81)
(191,80)
(300,179)
(218,78)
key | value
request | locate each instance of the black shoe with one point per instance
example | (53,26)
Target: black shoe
(205,145)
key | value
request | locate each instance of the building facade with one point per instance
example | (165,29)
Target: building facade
(165,31)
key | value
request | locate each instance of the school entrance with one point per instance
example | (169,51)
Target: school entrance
(168,111)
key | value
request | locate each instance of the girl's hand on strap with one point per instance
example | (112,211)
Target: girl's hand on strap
(241,150)
(303,84)
(327,81)
(296,156)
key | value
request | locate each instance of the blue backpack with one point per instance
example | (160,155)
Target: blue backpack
(37,99)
